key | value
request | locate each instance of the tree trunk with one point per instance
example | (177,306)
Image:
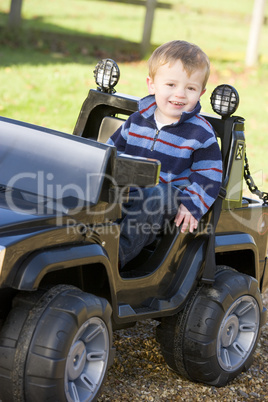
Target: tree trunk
(14,20)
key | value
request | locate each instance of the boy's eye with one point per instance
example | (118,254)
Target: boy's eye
(170,84)
(191,88)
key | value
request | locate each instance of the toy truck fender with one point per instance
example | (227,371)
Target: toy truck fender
(37,265)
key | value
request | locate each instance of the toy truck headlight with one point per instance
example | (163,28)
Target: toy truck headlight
(224,100)
(106,75)
(2,257)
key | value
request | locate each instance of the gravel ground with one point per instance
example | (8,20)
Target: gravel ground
(139,372)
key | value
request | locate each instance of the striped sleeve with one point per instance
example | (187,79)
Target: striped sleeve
(204,180)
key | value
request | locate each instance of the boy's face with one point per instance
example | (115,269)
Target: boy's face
(175,92)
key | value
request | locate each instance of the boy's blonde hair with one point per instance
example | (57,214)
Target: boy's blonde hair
(191,56)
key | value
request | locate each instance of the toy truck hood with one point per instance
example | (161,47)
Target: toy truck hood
(21,220)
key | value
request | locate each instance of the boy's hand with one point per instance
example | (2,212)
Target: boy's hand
(184,216)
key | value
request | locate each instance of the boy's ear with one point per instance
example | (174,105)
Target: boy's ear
(150,85)
(202,93)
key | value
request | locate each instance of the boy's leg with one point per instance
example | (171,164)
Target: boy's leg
(144,215)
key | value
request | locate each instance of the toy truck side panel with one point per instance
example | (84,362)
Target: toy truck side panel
(241,240)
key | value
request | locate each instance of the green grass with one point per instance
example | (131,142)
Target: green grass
(46,67)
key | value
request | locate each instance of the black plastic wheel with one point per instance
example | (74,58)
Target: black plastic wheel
(213,339)
(57,348)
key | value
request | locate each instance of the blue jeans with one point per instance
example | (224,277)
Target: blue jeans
(143,216)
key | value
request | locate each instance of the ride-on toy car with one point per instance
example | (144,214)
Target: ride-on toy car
(61,291)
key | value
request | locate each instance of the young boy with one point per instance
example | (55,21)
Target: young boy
(168,127)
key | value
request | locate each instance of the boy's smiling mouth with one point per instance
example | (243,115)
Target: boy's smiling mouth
(177,103)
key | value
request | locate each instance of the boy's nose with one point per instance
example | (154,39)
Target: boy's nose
(180,92)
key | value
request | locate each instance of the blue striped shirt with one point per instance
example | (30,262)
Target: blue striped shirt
(188,151)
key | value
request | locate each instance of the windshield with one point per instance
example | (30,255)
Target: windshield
(44,164)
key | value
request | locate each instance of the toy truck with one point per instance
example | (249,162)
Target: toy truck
(61,292)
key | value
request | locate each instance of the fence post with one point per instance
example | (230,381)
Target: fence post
(148,26)
(14,19)
(255,30)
